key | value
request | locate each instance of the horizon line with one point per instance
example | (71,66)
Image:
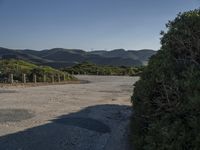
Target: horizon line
(91,50)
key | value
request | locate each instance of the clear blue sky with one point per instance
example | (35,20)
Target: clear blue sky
(87,24)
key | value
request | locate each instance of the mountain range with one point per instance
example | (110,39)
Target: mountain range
(60,57)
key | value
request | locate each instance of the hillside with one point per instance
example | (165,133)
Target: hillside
(19,67)
(59,57)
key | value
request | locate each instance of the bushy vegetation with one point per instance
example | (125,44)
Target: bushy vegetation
(19,67)
(93,69)
(166,99)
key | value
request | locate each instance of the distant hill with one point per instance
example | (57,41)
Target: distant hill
(59,57)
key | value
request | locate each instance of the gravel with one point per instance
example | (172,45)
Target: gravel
(90,116)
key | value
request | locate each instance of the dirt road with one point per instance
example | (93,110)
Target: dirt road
(92,116)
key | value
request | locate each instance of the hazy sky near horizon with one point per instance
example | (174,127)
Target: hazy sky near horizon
(87,24)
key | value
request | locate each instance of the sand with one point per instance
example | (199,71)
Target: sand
(89,116)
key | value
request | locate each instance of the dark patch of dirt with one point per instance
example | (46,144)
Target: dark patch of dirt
(14,115)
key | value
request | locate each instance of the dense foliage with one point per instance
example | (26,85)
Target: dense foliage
(19,67)
(166,99)
(92,69)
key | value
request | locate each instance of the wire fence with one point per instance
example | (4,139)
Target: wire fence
(33,78)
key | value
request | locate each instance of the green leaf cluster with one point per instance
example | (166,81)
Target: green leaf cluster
(166,99)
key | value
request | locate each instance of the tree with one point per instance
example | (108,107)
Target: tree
(166,100)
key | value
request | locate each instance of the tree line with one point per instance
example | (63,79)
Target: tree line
(93,69)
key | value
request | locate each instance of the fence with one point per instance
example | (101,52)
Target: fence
(34,78)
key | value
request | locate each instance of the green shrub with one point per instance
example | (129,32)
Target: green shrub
(93,69)
(19,67)
(166,100)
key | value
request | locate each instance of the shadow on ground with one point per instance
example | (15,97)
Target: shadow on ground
(88,129)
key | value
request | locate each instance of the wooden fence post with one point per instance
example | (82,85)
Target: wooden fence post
(68,76)
(58,77)
(11,78)
(44,78)
(52,78)
(63,77)
(24,78)
(34,78)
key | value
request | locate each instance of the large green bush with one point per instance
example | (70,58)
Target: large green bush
(166,100)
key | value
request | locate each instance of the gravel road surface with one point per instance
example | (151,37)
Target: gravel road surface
(89,116)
